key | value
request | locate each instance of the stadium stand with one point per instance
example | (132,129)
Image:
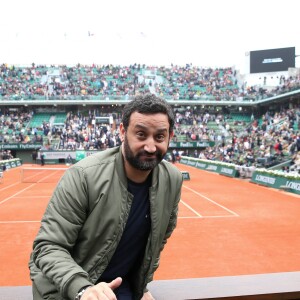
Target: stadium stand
(116,82)
(247,137)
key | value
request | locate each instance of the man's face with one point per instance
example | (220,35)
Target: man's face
(146,140)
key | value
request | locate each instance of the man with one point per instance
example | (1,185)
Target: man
(42,155)
(34,156)
(111,214)
(2,169)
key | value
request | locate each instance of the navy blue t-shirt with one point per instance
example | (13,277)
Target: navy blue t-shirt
(131,247)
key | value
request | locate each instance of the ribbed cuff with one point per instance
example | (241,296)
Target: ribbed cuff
(75,285)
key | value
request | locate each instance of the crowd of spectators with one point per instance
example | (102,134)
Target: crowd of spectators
(193,82)
(14,127)
(271,141)
(71,82)
(122,82)
(83,133)
(262,142)
(5,155)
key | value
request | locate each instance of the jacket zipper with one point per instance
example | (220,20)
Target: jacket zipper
(116,240)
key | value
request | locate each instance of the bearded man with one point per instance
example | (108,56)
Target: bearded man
(111,214)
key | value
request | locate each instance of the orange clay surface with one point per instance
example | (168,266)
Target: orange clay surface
(226,227)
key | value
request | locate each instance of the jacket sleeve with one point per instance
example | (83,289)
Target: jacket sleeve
(61,223)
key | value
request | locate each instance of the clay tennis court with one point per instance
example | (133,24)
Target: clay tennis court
(226,227)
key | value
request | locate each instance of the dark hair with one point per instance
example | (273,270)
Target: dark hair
(148,104)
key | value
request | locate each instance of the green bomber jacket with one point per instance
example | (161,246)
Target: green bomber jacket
(84,222)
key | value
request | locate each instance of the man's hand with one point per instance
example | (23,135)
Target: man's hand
(147,296)
(103,291)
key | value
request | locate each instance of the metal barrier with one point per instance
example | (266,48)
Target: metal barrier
(273,286)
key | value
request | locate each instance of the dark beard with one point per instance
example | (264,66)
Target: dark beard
(134,160)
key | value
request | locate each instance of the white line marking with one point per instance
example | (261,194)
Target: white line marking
(7,187)
(191,209)
(230,211)
(207,217)
(38,174)
(1,202)
(222,216)
(18,222)
(31,197)
(190,218)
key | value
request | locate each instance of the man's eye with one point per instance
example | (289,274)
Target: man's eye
(160,137)
(140,134)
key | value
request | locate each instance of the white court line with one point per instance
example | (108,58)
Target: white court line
(40,173)
(18,222)
(222,216)
(230,211)
(207,217)
(7,187)
(31,197)
(190,217)
(1,202)
(191,209)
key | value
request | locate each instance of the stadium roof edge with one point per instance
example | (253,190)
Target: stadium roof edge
(85,102)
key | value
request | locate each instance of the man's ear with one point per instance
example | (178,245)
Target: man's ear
(122,132)
(171,135)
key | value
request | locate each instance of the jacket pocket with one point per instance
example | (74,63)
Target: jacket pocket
(42,288)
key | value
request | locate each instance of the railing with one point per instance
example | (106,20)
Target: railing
(273,286)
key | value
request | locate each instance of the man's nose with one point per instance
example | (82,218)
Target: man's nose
(150,146)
